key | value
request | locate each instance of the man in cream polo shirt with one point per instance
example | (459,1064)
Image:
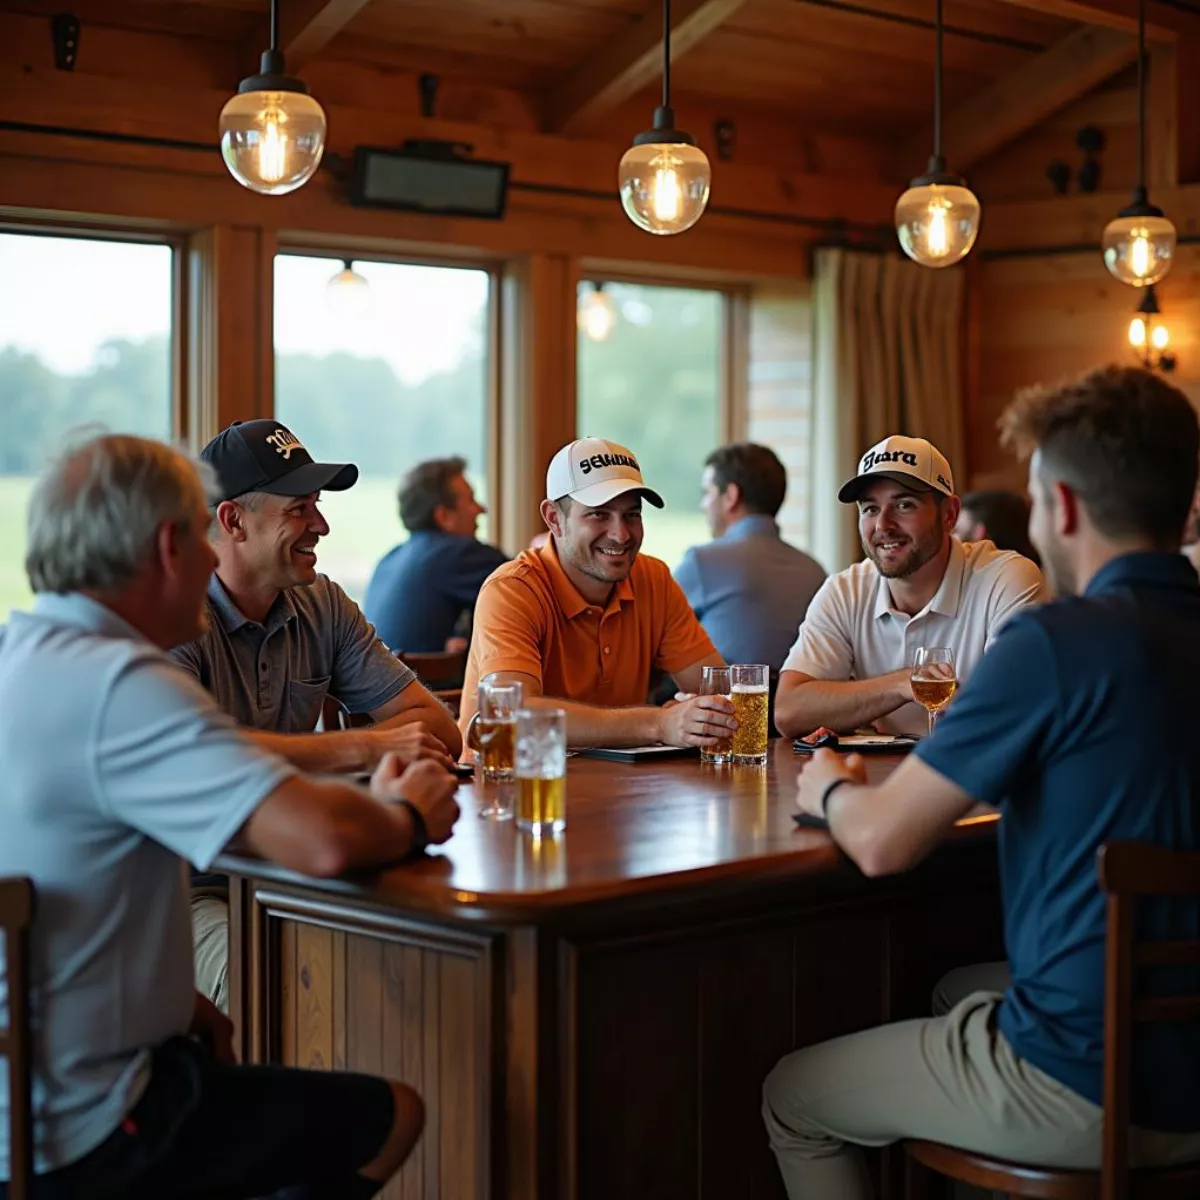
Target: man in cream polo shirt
(918,586)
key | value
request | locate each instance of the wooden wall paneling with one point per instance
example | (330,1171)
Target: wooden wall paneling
(638,1006)
(312,970)
(745,1021)
(1173,115)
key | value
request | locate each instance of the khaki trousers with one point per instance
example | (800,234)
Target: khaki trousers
(210,947)
(951,1079)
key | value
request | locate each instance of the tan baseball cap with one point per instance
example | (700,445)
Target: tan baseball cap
(595,471)
(903,459)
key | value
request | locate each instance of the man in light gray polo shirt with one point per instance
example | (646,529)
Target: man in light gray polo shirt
(117,766)
(919,586)
(280,638)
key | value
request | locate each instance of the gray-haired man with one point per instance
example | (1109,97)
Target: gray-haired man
(117,767)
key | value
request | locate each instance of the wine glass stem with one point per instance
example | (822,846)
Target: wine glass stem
(932,720)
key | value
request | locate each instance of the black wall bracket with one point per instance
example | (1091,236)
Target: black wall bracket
(64,29)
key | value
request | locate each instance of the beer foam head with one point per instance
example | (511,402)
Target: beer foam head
(595,471)
(904,459)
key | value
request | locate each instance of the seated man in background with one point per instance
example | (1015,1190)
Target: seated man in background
(279,638)
(1079,725)
(1001,518)
(117,766)
(748,587)
(586,618)
(422,593)
(918,586)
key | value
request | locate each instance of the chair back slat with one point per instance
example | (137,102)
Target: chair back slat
(1167,1008)
(1167,954)
(1129,870)
(438,671)
(16,916)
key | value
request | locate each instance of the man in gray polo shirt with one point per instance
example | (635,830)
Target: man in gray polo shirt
(117,766)
(280,638)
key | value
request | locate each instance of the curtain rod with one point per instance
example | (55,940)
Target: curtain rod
(829,224)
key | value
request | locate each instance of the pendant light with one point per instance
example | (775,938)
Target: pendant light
(596,314)
(664,176)
(348,294)
(272,131)
(1149,337)
(937,219)
(1139,243)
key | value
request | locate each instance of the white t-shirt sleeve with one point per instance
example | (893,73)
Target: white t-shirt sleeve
(824,649)
(172,765)
(1019,585)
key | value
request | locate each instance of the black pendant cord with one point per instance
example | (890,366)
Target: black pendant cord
(274,24)
(937,86)
(1142,97)
(666,96)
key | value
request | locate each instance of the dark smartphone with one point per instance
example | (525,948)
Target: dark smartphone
(809,821)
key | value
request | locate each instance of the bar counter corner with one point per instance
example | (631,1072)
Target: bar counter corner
(591,1017)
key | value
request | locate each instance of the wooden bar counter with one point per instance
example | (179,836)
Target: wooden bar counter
(591,1017)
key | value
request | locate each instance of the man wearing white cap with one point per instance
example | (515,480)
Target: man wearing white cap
(585,618)
(918,586)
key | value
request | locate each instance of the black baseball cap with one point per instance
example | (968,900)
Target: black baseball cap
(265,456)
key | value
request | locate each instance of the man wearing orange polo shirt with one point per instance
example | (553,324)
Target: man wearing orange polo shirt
(584,619)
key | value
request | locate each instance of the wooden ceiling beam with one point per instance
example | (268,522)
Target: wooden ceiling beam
(1026,96)
(1166,20)
(306,27)
(630,62)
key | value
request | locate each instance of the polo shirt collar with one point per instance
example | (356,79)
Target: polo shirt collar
(946,599)
(232,618)
(755,525)
(82,612)
(567,594)
(1143,569)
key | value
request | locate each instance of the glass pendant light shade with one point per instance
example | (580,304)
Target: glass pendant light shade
(273,136)
(596,315)
(937,220)
(1139,244)
(348,294)
(664,178)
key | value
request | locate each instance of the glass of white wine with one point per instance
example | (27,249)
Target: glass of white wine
(933,679)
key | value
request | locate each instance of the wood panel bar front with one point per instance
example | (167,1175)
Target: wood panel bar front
(592,1017)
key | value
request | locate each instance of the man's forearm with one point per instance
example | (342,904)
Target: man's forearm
(842,705)
(438,720)
(588,725)
(336,752)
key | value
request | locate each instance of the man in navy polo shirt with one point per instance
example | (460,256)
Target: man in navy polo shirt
(1079,725)
(422,594)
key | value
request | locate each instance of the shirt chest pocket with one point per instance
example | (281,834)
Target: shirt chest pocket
(304,700)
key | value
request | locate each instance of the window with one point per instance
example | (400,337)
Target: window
(384,373)
(85,338)
(653,383)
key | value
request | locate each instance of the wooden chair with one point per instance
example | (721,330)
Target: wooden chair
(1128,870)
(16,915)
(440,670)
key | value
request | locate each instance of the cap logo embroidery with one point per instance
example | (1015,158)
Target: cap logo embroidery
(599,461)
(944,482)
(283,443)
(872,457)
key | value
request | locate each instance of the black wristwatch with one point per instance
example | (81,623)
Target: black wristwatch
(420,829)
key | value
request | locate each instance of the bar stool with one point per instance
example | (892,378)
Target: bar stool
(16,915)
(1128,870)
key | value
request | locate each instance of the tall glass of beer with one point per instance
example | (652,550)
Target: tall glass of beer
(715,681)
(934,680)
(542,771)
(494,738)
(749,693)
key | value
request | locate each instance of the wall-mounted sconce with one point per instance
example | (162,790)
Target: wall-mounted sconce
(1149,335)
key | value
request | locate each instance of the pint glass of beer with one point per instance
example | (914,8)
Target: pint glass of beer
(749,694)
(542,770)
(715,681)
(495,729)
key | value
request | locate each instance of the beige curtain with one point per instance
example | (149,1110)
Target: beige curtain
(886,359)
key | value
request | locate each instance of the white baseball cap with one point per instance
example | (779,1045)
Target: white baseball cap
(902,459)
(595,471)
